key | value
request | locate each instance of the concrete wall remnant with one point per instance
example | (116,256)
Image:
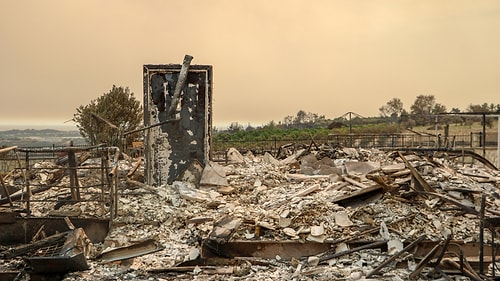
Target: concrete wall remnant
(178,118)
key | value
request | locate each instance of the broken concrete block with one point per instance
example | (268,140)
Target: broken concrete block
(317,234)
(354,167)
(341,247)
(213,174)
(290,232)
(268,158)
(313,261)
(342,219)
(300,177)
(309,160)
(310,165)
(224,228)
(308,190)
(389,169)
(234,156)
(192,173)
(292,158)
(257,183)
(351,152)
(317,239)
(394,246)
(194,253)
(188,192)
(285,222)
(305,170)
(266,225)
(327,170)
(225,190)
(317,230)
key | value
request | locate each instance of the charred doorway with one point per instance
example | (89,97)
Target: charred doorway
(178,118)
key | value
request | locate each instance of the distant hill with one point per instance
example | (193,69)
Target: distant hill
(39,138)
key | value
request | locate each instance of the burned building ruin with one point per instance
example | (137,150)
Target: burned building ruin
(178,115)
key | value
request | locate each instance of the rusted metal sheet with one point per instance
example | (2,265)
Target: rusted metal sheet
(267,249)
(186,120)
(14,275)
(360,197)
(9,275)
(296,249)
(60,257)
(7,217)
(58,264)
(23,229)
(143,248)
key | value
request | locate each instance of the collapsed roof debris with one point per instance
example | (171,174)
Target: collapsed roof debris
(312,212)
(388,216)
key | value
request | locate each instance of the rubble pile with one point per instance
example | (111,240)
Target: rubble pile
(362,206)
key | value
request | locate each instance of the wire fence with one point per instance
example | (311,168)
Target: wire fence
(26,171)
(472,141)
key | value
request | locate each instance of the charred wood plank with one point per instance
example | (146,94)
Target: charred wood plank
(180,84)
(422,184)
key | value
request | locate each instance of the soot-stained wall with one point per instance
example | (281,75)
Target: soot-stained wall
(173,142)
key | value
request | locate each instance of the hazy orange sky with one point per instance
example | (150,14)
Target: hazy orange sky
(270,58)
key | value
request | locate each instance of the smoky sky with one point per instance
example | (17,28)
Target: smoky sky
(270,58)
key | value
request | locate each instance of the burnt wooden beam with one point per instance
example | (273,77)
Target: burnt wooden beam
(422,184)
(180,84)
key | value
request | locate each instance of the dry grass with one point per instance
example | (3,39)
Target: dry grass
(457,129)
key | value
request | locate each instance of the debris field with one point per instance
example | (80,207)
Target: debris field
(330,213)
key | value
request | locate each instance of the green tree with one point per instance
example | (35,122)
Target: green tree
(438,108)
(393,108)
(422,108)
(305,120)
(301,117)
(235,127)
(484,108)
(107,118)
